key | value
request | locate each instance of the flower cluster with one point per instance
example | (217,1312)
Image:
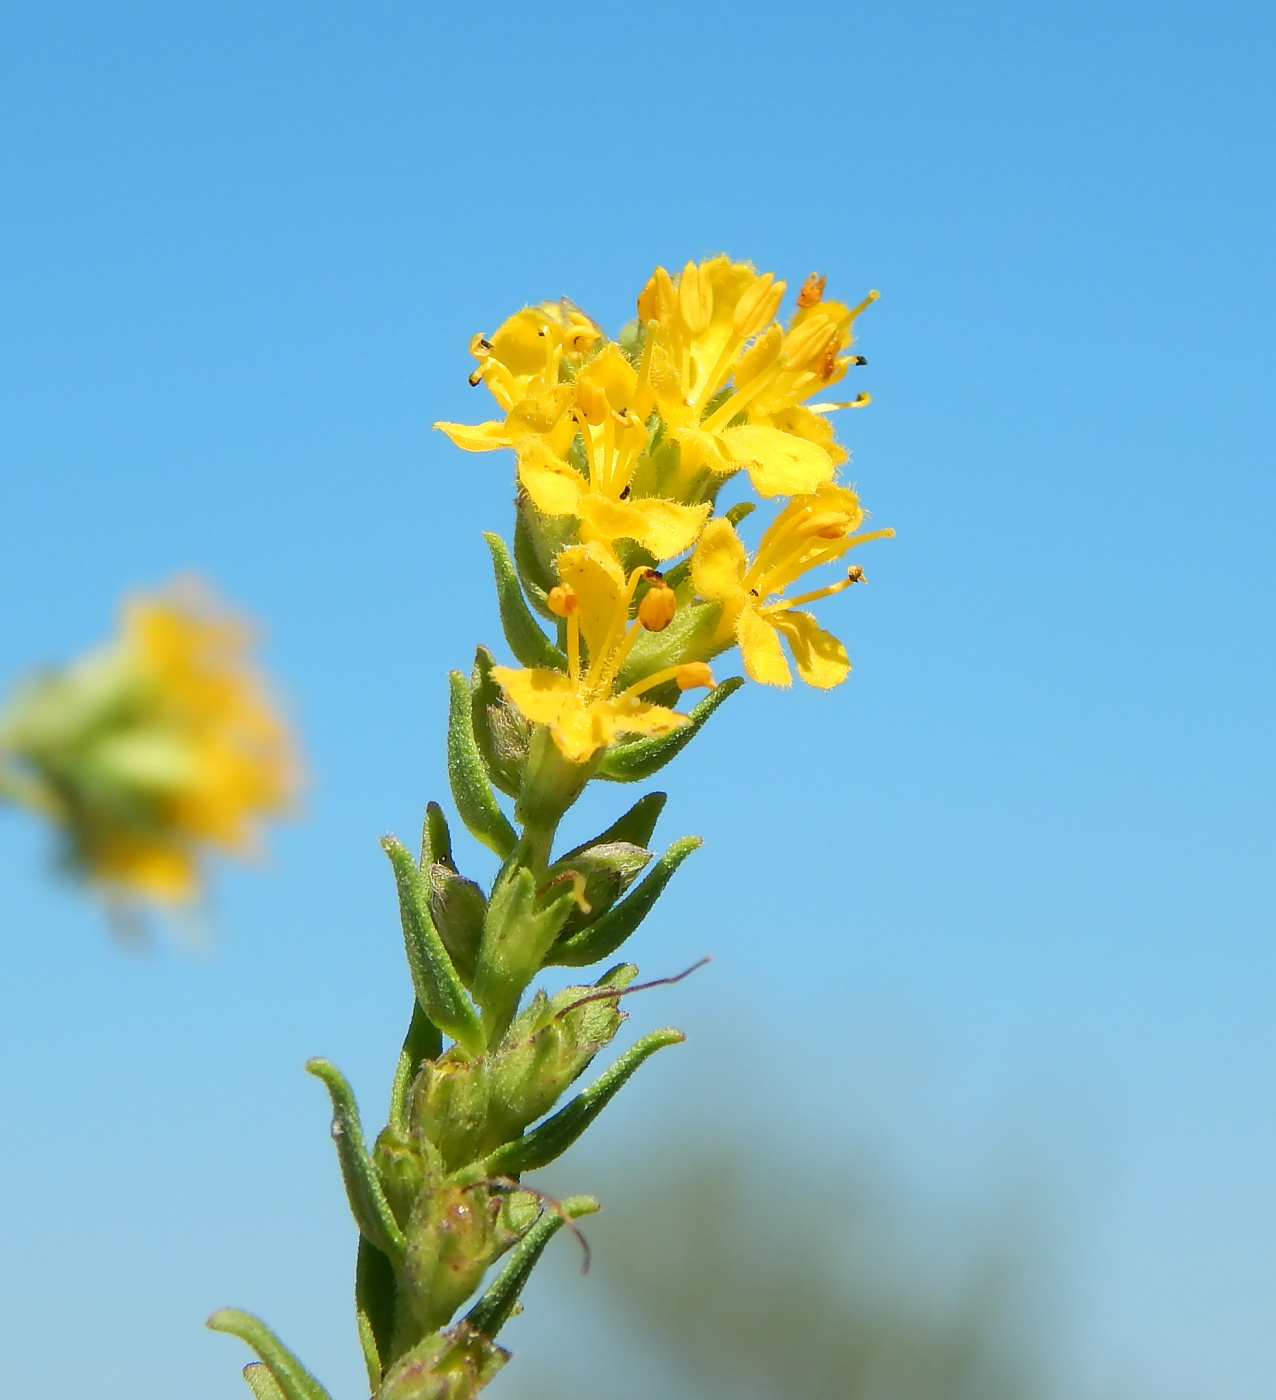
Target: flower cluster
(153,749)
(623,447)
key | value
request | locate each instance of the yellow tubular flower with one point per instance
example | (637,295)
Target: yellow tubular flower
(581,706)
(520,365)
(712,333)
(156,748)
(614,436)
(813,529)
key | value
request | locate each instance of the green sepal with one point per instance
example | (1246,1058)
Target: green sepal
(457,906)
(495,1308)
(436,838)
(451,1365)
(368,1204)
(261,1382)
(637,826)
(438,987)
(523,633)
(471,790)
(502,734)
(290,1376)
(521,925)
(537,579)
(601,938)
(628,763)
(608,870)
(374,1290)
(542,1145)
(422,1042)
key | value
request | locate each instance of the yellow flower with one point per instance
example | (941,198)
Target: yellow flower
(613,437)
(521,366)
(580,706)
(154,749)
(713,353)
(814,528)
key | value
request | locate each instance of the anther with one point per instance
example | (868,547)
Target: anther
(657,300)
(757,306)
(480,346)
(563,600)
(812,291)
(855,574)
(659,603)
(694,674)
(827,525)
(475,379)
(695,298)
(859,360)
(592,400)
(807,344)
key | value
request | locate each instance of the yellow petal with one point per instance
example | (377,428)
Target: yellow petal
(814,427)
(701,449)
(599,582)
(760,647)
(631,716)
(821,659)
(554,485)
(779,463)
(578,732)
(719,563)
(663,527)
(540,695)
(476,437)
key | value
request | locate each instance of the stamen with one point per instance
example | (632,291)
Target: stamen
(694,674)
(757,306)
(812,291)
(695,299)
(659,603)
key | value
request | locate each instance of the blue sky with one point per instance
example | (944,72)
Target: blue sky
(1011,884)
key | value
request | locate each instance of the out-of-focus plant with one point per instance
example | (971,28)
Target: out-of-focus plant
(153,751)
(620,585)
(732,1289)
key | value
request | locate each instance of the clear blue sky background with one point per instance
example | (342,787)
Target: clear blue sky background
(1011,884)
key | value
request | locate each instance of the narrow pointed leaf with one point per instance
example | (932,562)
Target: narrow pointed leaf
(628,763)
(438,987)
(502,735)
(542,1145)
(374,1292)
(291,1377)
(601,938)
(422,1042)
(261,1382)
(368,1204)
(471,789)
(494,1309)
(636,826)
(536,579)
(436,839)
(523,633)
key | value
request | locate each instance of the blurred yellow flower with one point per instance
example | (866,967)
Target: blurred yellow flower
(813,529)
(154,749)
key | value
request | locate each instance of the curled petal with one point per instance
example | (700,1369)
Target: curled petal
(477,437)
(719,563)
(821,659)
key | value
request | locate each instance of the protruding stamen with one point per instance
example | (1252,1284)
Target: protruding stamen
(694,674)
(480,346)
(563,600)
(805,346)
(658,300)
(659,603)
(855,574)
(757,306)
(695,299)
(812,291)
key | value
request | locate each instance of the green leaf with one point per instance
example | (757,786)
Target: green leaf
(601,938)
(261,1382)
(523,633)
(368,1204)
(436,839)
(628,763)
(422,1042)
(495,1308)
(536,578)
(636,826)
(291,1377)
(374,1293)
(471,790)
(438,987)
(542,1145)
